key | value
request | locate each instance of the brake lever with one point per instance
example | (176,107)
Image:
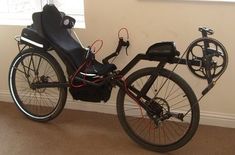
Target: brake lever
(123,43)
(127,45)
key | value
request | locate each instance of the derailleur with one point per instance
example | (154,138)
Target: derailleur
(158,120)
(160,111)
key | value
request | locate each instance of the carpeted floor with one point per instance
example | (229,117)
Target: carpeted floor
(87,133)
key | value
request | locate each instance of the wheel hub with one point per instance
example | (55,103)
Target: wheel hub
(160,110)
(40,80)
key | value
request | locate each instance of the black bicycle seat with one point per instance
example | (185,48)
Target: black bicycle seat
(61,39)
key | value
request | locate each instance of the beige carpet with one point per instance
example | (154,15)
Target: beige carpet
(86,133)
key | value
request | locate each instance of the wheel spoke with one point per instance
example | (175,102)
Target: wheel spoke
(38,67)
(172,95)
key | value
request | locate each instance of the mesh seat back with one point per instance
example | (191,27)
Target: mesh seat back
(59,37)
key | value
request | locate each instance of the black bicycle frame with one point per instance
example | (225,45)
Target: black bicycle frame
(117,78)
(162,62)
(140,57)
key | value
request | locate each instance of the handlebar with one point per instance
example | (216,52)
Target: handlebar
(121,43)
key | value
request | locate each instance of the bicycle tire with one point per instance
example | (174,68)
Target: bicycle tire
(150,145)
(39,104)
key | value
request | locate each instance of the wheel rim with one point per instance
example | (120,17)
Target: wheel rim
(170,96)
(36,103)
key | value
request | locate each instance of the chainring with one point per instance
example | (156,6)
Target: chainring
(210,52)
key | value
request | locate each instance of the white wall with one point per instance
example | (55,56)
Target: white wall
(150,21)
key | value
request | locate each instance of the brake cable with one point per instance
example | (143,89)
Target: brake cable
(127,37)
(94,51)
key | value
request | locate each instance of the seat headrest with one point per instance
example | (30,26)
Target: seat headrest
(52,15)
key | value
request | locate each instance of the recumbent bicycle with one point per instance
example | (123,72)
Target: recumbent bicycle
(155,106)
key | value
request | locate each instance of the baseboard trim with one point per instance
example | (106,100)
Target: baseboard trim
(5,96)
(207,117)
(108,108)
(217,119)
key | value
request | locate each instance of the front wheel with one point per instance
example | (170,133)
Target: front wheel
(174,96)
(33,67)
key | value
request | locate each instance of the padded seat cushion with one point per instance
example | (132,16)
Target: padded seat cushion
(100,69)
(59,36)
(163,49)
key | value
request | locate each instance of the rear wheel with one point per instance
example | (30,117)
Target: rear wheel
(30,67)
(174,96)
